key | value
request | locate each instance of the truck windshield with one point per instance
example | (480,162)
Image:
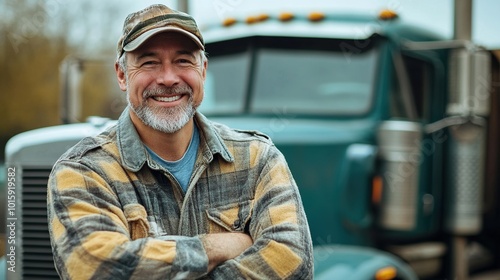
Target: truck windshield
(293,80)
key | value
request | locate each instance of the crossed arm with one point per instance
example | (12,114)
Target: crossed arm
(221,247)
(91,237)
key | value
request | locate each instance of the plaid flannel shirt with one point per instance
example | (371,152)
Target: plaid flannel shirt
(114,213)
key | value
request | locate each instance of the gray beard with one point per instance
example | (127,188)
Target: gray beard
(167,120)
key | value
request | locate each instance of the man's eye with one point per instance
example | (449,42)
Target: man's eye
(150,62)
(184,61)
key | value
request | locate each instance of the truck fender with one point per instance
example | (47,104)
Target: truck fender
(357,263)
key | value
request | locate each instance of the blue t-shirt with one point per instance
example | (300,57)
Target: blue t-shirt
(182,168)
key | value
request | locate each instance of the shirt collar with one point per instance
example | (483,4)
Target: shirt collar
(211,140)
(134,155)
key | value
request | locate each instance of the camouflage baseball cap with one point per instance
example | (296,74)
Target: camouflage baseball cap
(141,25)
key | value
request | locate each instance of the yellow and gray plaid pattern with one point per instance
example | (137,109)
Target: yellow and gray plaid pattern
(113,213)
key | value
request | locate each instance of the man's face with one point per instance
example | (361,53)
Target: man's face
(164,81)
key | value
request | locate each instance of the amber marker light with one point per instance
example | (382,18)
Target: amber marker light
(263,17)
(377,188)
(386,273)
(387,14)
(229,22)
(286,16)
(252,19)
(316,16)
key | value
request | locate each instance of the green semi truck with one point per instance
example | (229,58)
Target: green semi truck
(390,131)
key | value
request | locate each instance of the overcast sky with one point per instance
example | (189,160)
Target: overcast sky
(434,14)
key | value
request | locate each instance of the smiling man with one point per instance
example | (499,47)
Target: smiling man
(166,193)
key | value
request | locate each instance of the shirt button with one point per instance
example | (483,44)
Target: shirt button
(236,225)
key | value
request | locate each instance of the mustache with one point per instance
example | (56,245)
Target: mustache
(163,90)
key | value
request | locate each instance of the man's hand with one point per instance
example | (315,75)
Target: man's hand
(221,247)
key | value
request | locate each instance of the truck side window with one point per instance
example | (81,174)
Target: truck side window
(225,85)
(419,76)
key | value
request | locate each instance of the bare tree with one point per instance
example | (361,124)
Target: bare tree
(36,37)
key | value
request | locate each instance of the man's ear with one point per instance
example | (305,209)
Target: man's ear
(204,71)
(121,76)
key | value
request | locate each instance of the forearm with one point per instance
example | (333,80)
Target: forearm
(221,247)
(94,235)
(158,258)
(285,255)
(114,256)
(282,247)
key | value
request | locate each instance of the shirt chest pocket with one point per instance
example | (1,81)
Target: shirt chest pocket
(137,221)
(233,217)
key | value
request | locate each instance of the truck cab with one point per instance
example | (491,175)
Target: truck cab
(385,127)
(347,103)
(378,125)
(321,86)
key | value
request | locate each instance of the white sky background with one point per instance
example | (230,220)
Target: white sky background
(436,15)
(102,27)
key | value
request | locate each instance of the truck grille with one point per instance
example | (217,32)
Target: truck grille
(36,250)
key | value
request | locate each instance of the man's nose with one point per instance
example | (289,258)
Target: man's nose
(168,76)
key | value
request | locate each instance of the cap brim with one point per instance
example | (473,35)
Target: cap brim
(148,34)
